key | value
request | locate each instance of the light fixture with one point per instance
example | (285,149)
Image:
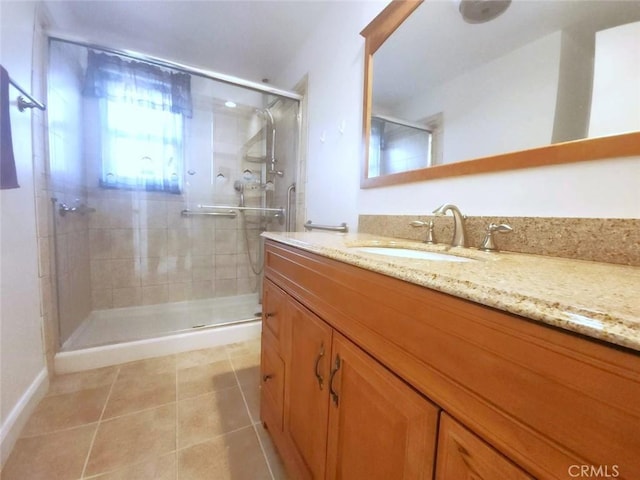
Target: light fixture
(480,11)
(230,104)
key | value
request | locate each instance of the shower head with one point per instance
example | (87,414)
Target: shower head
(239,186)
(481,11)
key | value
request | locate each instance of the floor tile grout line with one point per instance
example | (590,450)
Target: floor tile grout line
(59,430)
(95,433)
(215,437)
(246,406)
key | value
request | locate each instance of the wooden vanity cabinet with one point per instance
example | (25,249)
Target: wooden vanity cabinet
(519,399)
(346,416)
(462,455)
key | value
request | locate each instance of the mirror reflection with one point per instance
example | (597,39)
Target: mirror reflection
(541,73)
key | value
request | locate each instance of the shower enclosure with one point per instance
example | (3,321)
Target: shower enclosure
(162,179)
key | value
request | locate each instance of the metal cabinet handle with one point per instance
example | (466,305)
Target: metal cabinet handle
(269,315)
(334,394)
(267,377)
(315,371)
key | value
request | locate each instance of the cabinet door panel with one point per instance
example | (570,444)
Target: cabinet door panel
(380,428)
(272,391)
(275,304)
(462,455)
(307,400)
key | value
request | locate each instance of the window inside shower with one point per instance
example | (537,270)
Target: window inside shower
(158,211)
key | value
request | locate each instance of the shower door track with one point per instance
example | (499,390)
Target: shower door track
(230,79)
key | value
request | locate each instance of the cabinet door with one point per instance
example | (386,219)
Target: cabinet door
(307,401)
(274,301)
(272,378)
(462,455)
(379,427)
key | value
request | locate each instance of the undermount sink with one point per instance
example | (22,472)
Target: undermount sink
(410,253)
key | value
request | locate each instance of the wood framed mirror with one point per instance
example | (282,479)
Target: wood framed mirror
(562,147)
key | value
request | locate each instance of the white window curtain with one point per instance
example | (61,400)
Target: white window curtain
(142,111)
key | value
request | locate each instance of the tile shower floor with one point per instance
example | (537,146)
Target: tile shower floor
(189,416)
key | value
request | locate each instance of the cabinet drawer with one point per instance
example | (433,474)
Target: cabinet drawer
(274,302)
(272,381)
(463,455)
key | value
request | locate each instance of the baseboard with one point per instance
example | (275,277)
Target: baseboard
(17,418)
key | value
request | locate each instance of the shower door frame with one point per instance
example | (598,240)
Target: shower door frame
(205,73)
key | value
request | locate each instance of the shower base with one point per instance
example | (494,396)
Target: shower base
(110,337)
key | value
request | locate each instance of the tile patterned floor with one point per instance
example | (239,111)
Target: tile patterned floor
(189,416)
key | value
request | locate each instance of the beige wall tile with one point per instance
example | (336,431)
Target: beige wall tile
(202,268)
(100,243)
(226,266)
(153,242)
(202,240)
(179,292)
(201,290)
(247,285)
(101,274)
(124,243)
(127,297)
(101,299)
(226,241)
(178,242)
(154,294)
(153,214)
(179,269)
(226,287)
(125,273)
(154,271)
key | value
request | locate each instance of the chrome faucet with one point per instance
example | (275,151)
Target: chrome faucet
(459,235)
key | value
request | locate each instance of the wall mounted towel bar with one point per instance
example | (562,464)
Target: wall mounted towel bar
(22,103)
(343,227)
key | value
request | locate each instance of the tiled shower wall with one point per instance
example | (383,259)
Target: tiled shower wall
(144,252)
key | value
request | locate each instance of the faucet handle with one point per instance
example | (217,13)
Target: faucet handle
(418,223)
(488,244)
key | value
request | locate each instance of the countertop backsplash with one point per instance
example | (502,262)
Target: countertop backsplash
(608,240)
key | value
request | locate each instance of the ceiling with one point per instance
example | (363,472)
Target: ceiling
(252,40)
(435,45)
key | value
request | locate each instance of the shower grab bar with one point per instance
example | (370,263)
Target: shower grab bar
(229,214)
(277,211)
(343,227)
(290,223)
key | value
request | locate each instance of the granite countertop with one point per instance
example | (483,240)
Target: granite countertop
(600,300)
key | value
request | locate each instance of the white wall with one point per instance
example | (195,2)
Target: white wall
(502,106)
(22,364)
(333,58)
(616,93)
